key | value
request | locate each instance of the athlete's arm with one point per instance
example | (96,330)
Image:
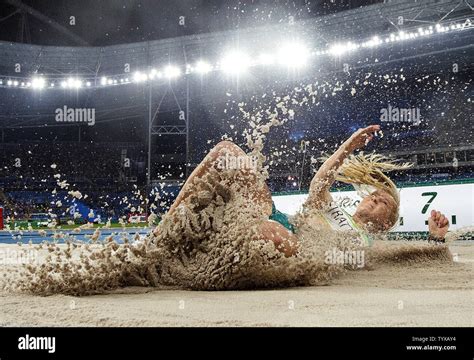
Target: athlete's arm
(325,176)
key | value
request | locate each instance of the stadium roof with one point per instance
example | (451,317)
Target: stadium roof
(358,24)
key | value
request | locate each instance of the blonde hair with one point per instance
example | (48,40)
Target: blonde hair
(369,169)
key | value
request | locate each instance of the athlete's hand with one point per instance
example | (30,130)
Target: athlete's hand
(438,224)
(361,137)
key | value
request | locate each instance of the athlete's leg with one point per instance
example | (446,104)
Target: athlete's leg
(261,194)
(283,239)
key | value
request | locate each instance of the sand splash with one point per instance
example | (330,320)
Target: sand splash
(210,242)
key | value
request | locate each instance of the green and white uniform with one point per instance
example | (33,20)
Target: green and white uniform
(339,220)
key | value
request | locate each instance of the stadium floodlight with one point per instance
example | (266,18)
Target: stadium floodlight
(340,49)
(152,73)
(235,63)
(266,59)
(337,49)
(374,41)
(38,83)
(402,35)
(202,67)
(74,83)
(139,77)
(171,71)
(188,69)
(423,32)
(293,55)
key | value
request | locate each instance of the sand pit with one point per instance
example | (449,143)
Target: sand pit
(438,293)
(201,246)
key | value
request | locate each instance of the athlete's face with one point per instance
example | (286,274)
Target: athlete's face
(377,209)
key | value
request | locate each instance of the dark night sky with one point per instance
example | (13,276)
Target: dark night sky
(107,22)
